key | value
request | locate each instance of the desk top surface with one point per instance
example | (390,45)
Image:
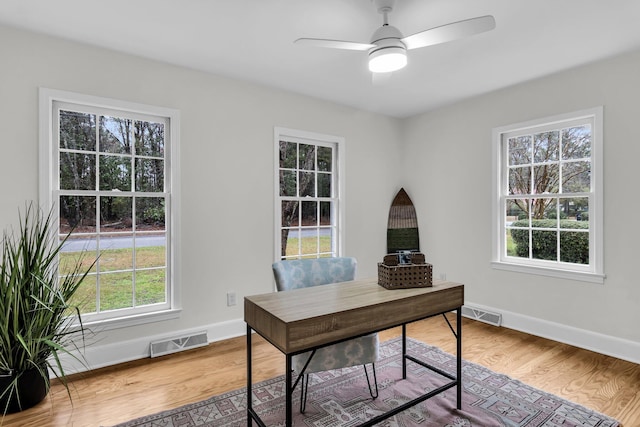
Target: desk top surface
(303,303)
(301,318)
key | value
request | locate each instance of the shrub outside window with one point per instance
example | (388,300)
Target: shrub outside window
(548,201)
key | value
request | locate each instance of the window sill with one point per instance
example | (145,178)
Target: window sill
(133,320)
(550,272)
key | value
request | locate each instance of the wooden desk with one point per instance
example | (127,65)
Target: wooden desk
(299,320)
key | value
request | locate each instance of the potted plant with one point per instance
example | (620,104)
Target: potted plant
(38,324)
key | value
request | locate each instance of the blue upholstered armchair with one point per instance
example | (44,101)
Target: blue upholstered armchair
(303,273)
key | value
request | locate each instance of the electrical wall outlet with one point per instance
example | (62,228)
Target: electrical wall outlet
(443,276)
(231,299)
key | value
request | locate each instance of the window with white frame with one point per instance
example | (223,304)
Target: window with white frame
(308,188)
(548,196)
(110,176)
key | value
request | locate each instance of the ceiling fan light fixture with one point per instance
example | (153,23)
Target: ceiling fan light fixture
(387,59)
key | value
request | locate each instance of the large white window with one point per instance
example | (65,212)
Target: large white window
(308,194)
(108,172)
(548,196)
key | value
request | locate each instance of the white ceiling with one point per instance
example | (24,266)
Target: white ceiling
(253,40)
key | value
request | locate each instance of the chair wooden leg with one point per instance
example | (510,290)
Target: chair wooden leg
(375,380)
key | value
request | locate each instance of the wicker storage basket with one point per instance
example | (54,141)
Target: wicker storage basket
(405,276)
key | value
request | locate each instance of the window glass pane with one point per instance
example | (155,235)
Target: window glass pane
(81,252)
(115,173)
(290,213)
(520,180)
(325,240)
(85,295)
(150,286)
(520,150)
(545,146)
(149,139)
(309,213)
(118,254)
(115,135)
(116,290)
(517,242)
(290,242)
(544,213)
(516,210)
(77,171)
(77,131)
(325,159)
(546,178)
(574,209)
(149,175)
(576,177)
(325,213)
(288,183)
(324,185)
(115,214)
(544,245)
(150,214)
(574,247)
(288,155)
(307,157)
(309,241)
(78,248)
(551,209)
(307,184)
(77,214)
(150,252)
(576,142)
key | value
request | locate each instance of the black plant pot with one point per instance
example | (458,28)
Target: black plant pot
(31,388)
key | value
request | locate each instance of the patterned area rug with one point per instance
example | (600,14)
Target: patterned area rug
(341,398)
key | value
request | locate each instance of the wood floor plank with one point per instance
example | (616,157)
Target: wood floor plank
(116,394)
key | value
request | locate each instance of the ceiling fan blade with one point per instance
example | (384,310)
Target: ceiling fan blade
(450,32)
(335,44)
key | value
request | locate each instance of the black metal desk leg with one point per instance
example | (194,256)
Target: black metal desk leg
(288,392)
(459,356)
(249,391)
(404,351)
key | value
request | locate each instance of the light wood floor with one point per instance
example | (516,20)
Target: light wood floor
(116,394)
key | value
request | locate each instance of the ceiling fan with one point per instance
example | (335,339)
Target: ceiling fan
(388,48)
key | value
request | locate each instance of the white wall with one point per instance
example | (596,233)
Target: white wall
(448,163)
(226,170)
(443,161)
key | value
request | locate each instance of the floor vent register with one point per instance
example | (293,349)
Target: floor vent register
(482,315)
(176,344)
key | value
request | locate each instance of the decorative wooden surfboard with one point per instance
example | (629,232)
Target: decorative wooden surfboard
(402,228)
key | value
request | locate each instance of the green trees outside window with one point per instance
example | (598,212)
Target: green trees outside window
(112,198)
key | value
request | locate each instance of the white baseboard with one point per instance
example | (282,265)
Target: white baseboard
(100,356)
(600,343)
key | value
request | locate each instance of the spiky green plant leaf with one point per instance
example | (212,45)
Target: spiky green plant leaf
(37,322)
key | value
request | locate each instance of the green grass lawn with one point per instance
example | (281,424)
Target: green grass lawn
(511,247)
(309,246)
(116,278)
